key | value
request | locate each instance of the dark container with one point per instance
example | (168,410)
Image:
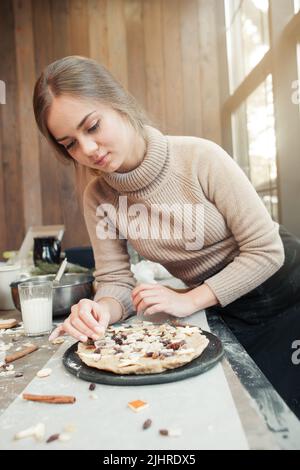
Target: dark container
(46,250)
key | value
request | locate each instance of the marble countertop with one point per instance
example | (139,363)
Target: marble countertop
(231,406)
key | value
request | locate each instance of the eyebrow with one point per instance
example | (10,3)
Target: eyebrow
(78,127)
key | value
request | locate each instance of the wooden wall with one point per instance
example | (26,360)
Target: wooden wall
(163,51)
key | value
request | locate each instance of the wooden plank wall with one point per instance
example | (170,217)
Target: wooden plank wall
(163,51)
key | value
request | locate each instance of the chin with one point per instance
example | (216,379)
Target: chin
(113,167)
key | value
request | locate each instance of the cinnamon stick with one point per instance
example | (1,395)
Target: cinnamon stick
(19,354)
(60,399)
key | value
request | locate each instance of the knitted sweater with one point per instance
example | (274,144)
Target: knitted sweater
(238,244)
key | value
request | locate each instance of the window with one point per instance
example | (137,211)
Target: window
(247,36)
(297,90)
(254,140)
(258,44)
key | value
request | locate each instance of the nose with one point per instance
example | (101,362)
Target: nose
(88,146)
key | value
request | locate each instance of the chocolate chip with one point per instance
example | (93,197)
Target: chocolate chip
(164,432)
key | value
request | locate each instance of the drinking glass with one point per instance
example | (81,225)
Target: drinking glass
(36,300)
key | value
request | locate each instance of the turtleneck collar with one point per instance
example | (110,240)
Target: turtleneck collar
(151,171)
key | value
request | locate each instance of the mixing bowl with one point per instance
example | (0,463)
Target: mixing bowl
(72,288)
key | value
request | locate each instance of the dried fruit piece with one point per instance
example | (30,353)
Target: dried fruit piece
(176,345)
(59,340)
(92,387)
(147,424)
(138,405)
(90,342)
(63,437)
(149,354)
(172,432)
(52,438)
(43,373)
(155,355)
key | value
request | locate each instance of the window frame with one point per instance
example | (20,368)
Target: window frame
(281,62)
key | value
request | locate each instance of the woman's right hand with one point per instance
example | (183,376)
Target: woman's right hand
(88,319)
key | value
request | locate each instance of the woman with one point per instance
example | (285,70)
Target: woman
(218,237)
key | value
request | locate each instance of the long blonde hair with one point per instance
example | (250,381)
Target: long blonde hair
(83,78)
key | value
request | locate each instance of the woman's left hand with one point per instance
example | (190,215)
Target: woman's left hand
(149,299)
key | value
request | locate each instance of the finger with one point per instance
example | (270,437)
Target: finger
(145,303)
(103,319)
(90,315)
(157,308)
(59,331)
(79,325)
(144,295)
(141,287)
(73,332)
(147,293)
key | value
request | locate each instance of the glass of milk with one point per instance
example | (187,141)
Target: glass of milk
(36,307)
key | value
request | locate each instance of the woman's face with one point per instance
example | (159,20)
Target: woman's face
(95,135)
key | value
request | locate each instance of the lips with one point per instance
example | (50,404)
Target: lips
(100,159)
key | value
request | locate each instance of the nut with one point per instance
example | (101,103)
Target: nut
(43,373)
(37,431)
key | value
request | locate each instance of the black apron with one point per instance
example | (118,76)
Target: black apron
(266,321)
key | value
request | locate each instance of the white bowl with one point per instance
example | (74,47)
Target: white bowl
(8,274)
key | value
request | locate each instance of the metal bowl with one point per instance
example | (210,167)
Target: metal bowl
(71,289)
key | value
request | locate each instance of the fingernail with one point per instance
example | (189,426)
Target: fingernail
(83,338)
(95,337)
(99,330)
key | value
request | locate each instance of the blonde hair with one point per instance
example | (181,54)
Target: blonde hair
(83,78)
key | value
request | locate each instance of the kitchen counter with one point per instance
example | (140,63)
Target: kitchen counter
(252,411)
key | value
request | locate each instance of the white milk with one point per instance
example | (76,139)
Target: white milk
(37,315)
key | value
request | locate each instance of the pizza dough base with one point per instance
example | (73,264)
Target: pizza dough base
(144,365)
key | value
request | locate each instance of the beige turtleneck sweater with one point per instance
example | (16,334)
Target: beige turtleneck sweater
(241,244)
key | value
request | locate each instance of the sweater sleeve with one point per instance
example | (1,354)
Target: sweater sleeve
(261,251)
(113,275)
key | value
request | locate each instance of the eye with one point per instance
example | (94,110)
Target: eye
(94,127)
(70,145)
